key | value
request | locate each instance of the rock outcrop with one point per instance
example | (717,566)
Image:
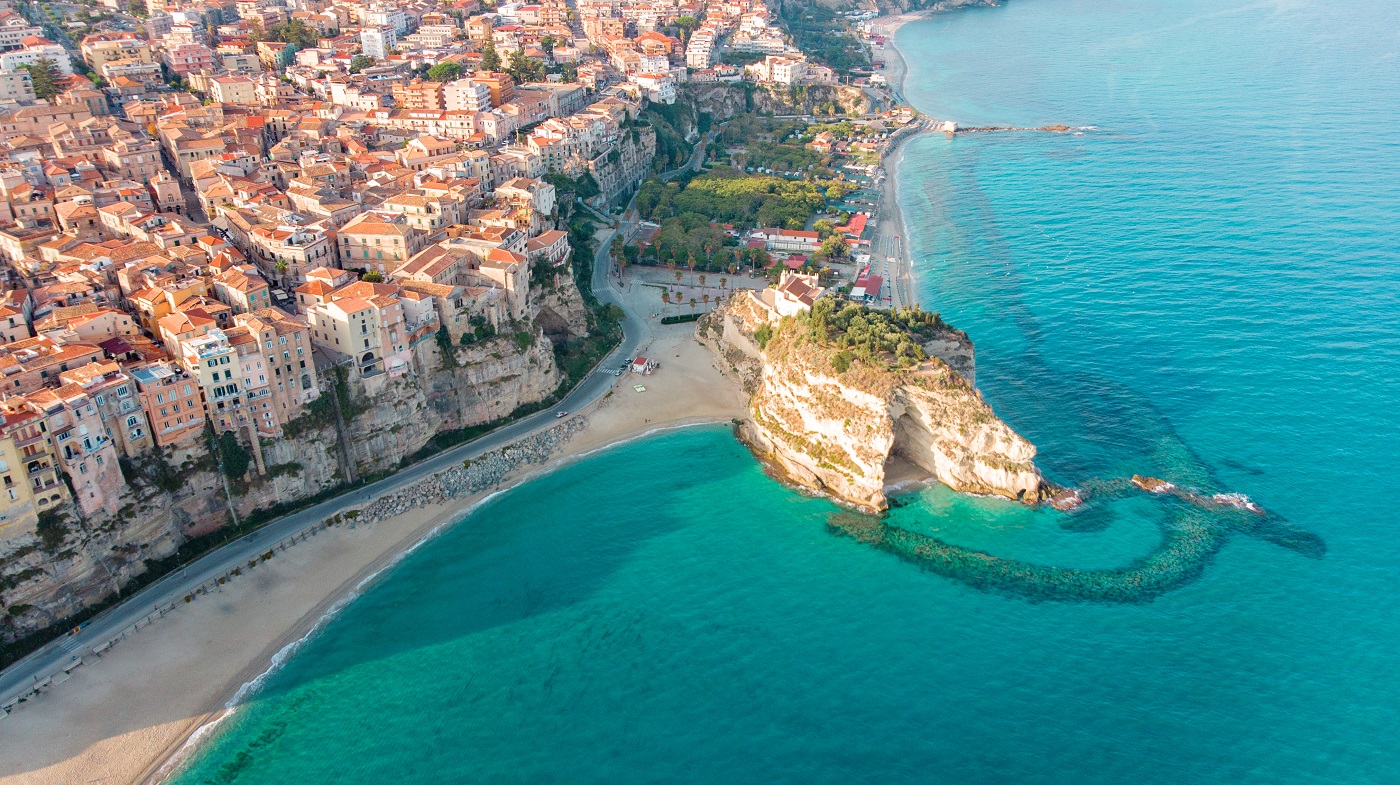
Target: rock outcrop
(723,100)
(837,423)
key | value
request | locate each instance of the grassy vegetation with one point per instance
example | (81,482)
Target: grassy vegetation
(671,122)
(893,339)
(781,156)
(730,196)
(749,128)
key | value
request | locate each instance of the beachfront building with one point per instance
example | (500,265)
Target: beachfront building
(789,240)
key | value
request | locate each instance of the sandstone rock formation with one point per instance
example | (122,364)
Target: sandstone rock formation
(839,431)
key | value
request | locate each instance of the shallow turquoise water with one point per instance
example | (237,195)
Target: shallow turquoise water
(1206,288)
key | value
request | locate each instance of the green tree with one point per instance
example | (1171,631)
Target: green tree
(524,69)
(490,59)
(233,456)
(833,246)
(137,8)
(45,76)
(295,32)
(686,25)
(373,276)
(359,63)
(547,44)
(445,72)
(824,228)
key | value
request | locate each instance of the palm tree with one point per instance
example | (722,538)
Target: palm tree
(723,282)
(678,276)
(702,281)
(705,298)
(665,297)
(281,267)
(692,305)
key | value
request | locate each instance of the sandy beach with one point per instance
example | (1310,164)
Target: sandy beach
(121,717)
(890,240)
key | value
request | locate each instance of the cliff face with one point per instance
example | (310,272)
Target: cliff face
(937,6)
(723,100)
(841,431)
(82,562)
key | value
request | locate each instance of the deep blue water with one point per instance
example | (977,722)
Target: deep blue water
(1205,288)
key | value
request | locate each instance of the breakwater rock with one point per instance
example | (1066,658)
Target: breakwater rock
(473,476)
(1191,536)
(841,392)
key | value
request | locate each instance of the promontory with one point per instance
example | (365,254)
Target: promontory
(842,393)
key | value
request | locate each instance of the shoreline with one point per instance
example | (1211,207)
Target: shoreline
(890,240)
(178,680)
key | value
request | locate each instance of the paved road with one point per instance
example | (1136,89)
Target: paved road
(48,661)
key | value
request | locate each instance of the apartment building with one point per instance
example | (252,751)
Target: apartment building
(378,241)
(186,58)
(29,468)
(83,450)
(286,253)
(233,90)
(378,42)
(117,400)
(364,323)
(169,399)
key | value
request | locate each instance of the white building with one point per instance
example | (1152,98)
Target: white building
(700,52)
(390,17)
(378,42)
(16,86)
(33,52)
(796,293)
(777,70)
(657,88)
(464,95)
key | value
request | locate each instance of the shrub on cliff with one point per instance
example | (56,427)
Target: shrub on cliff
(891,338)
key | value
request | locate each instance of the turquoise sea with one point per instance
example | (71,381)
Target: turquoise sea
(1205,288)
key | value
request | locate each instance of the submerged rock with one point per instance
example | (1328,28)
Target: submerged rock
(1066,499)
(1153,485)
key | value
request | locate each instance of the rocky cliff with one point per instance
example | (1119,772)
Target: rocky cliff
(838,419)
(935,6)
(74,564)
(723,100)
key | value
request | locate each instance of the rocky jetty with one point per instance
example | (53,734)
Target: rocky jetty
(473,476)
(841,393)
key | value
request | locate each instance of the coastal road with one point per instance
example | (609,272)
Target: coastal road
(50,660)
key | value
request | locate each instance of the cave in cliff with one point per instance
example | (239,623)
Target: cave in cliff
(911,454)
